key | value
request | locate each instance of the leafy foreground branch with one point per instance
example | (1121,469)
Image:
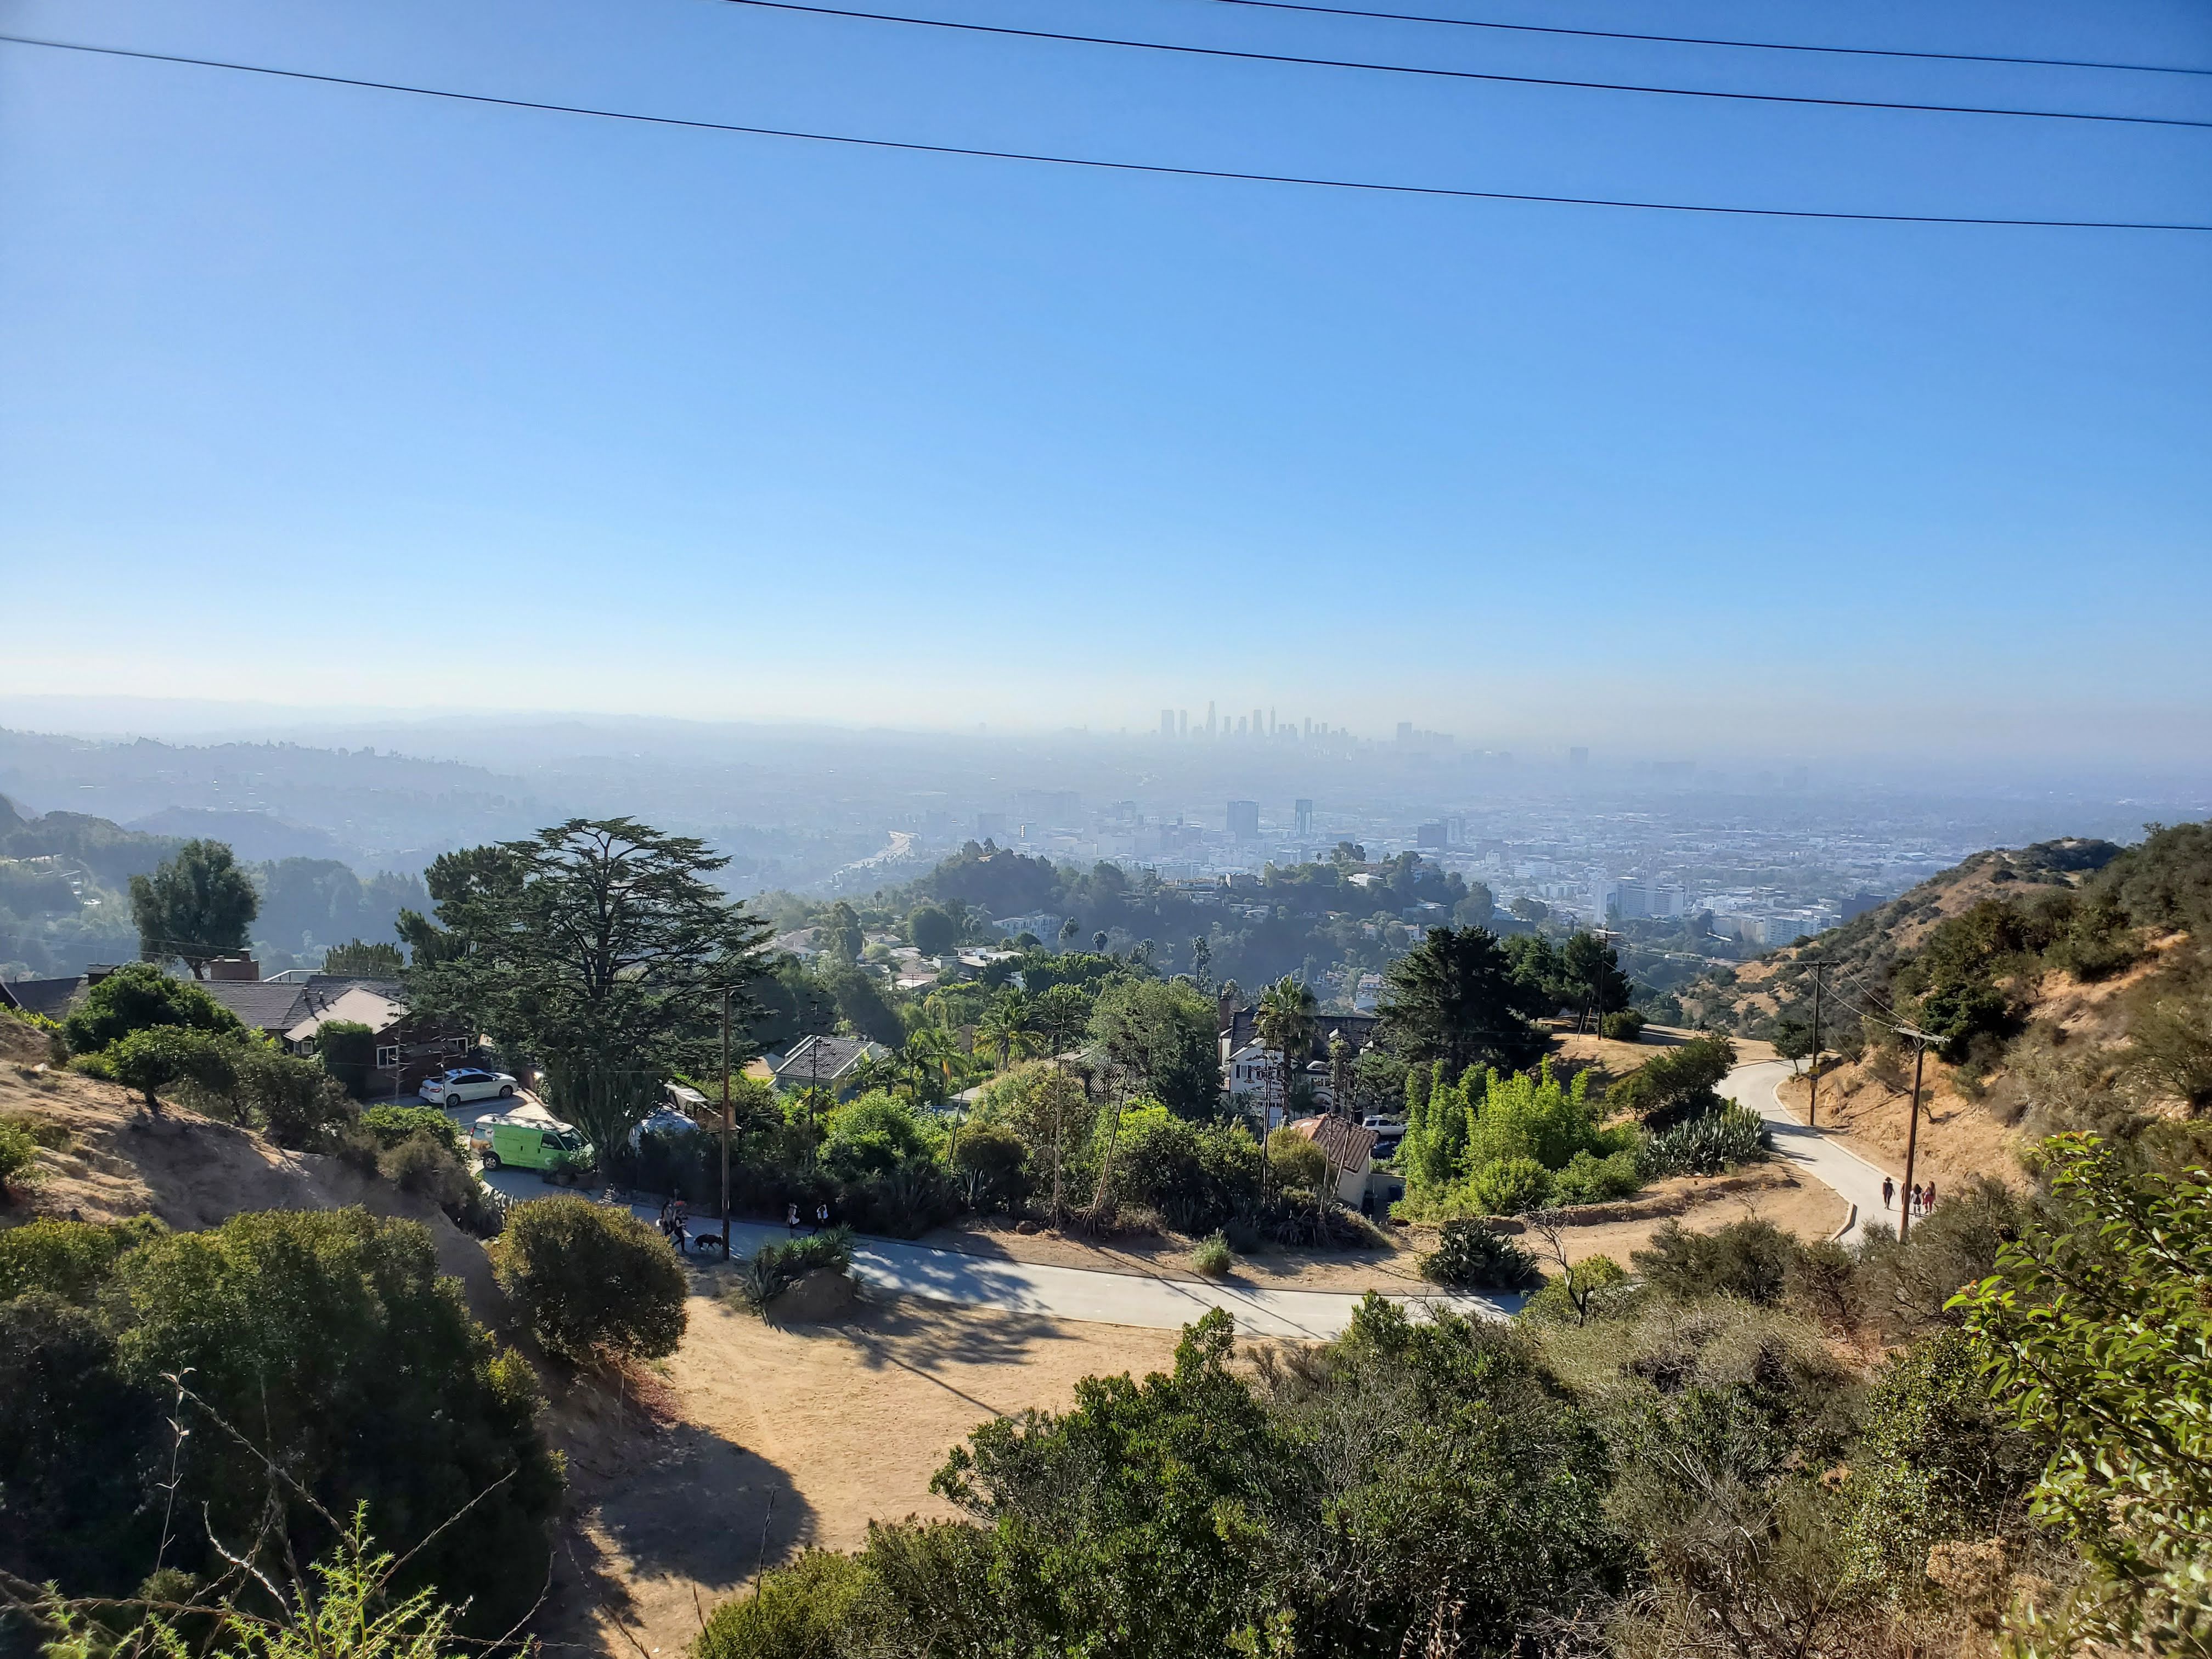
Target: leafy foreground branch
(342,1609)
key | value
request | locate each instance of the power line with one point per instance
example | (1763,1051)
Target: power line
(1491,76)
(1155,168)
(1712,41)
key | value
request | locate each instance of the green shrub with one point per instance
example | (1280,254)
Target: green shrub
(804,1611)
(43,1131)
(137,997)
(71,1258)
(1589,1179)
(991,1161)
(1213,1256)
(1750,1260)
(1586,1281)
(588,1276)
(426,1165)
(1675,1084)
(1707,1145)
(1510,1186)
(293,1099)
(1626,1026)
(19,1153)
(1295,1164)
(158,1057)
(348,1049)
(1196,1175)
(390,1125)
(775,1268)
(1469,1256)
(337,1344)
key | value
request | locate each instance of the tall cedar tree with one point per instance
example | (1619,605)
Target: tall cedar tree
(1454,998)
(600,947)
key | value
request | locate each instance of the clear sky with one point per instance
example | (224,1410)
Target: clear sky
(315,395)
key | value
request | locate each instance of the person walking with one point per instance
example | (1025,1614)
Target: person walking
(1888,1191)
(1916,1207)
(679,1218)
(791,1218)
(1928,1197)
(821,1217)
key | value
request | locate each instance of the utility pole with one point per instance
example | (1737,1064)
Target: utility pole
(726,1125)
(1813,1100)
(1920,1042)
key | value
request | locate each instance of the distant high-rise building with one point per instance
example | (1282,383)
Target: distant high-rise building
(1404,731)
(1258,730)
(1167,722)
(1240,727)
(1578,757)
(1209,719)
(1429,835)
(1302,819)
(1182,722)
(1244,820)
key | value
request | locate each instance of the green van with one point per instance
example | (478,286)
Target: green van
(526,1143)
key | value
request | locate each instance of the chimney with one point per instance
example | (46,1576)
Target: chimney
(233,968)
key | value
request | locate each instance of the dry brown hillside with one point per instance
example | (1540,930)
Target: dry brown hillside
(188,1170)
(2008,927)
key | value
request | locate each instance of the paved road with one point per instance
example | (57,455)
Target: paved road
(1078,1293)
(1858,1182)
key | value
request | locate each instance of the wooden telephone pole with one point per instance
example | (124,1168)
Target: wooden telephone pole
(1920,1042)
(1813,1100)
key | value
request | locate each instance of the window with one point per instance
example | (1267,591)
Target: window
(456,1045)
(387,1057)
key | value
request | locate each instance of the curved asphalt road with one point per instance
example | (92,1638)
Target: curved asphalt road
(1118,1299)
(1858,1182)
(1078,1293)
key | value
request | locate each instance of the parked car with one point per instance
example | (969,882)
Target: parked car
(466,1082)
(529,1143)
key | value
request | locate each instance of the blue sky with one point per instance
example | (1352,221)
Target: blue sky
(328,396)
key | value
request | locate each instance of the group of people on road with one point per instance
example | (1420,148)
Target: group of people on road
(1919,1200)
(792,1219)
(675,1223)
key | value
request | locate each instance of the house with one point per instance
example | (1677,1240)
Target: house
(1240,1026)
(834,1063)
(408,1047)
(51,999)
(1350,1149)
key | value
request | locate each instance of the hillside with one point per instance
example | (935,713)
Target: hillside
(2066,981)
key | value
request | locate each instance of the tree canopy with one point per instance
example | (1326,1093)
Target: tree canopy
(600,946)
(1454,998)
(196,906)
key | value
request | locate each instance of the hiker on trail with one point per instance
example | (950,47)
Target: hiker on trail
(663,1222)
(1927,1198)
(821,1217)
(1888,1191)
(679,1213)
(1917,1207)
(791,1218)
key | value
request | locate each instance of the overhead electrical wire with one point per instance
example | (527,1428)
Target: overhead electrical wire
(1493,77)
(1156,168)
(1712,40)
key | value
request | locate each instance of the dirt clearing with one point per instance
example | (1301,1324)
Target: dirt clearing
(771,1440)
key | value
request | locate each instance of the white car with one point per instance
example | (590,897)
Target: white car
(466,1084)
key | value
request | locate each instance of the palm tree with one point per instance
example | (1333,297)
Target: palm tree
(1008,1028)
(933,1061)
(1286,1023)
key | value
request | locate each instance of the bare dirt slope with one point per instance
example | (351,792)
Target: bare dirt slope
(188,1170)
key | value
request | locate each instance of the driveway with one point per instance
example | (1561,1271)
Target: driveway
(1857,1182)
